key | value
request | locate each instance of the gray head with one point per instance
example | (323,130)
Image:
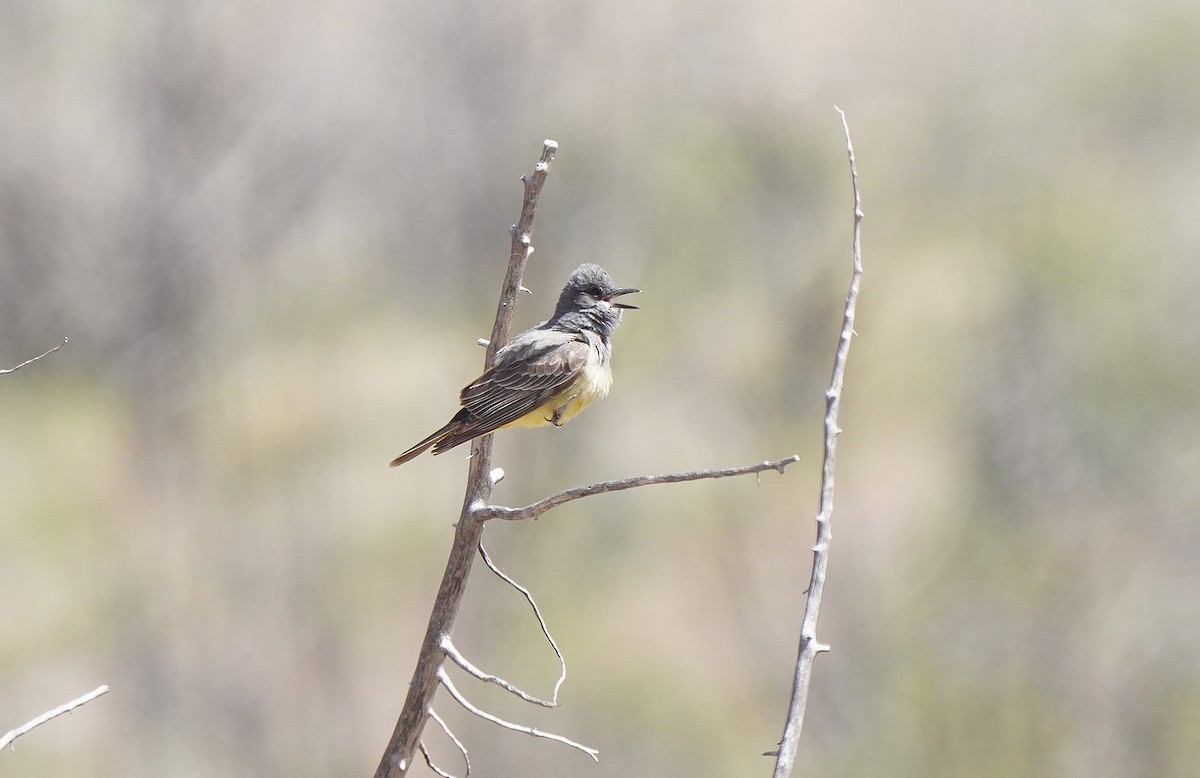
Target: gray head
(587,302)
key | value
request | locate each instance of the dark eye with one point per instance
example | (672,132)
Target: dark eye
(594,291)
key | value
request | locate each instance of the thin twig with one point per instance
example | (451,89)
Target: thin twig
(562,663)
(521,249)
(809,647)
(429,761)
(13,734)
(8,370)
(536,509)
(460,660)
(446,682)
(450,734)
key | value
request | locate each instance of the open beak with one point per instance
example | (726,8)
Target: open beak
(620,292)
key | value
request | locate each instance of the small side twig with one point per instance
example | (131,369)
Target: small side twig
(809,646)
(429,761)
(562,663)
(536,509)
(460,660)
(8,370)
(461,748)
(454,692)
(13,734)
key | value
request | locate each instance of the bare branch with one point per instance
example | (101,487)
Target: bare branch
(460,660)
(6,371)
(553,501)
(809,647)
(446,682)
(562,663)
(402,746)
(13,734)
(522,247)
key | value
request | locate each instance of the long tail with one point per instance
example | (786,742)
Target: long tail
(446,438)
(418,449)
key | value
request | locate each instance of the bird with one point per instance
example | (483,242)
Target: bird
(546,375)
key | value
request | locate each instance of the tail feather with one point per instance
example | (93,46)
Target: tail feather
(456,437)
(417,450)
(446,438)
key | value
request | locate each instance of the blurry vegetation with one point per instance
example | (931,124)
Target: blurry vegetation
(273,233)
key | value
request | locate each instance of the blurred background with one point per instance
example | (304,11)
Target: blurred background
(273,232)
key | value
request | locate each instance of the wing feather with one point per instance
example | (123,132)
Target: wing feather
(528,373)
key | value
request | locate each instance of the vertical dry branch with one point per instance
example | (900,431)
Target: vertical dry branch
(809,647)
(402,748)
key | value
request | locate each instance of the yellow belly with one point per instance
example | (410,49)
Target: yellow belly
(592,385)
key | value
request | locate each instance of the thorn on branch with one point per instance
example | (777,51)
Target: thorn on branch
(781,464)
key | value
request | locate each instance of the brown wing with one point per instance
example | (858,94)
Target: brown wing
(529,372)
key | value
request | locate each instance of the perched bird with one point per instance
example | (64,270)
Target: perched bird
(545,375)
